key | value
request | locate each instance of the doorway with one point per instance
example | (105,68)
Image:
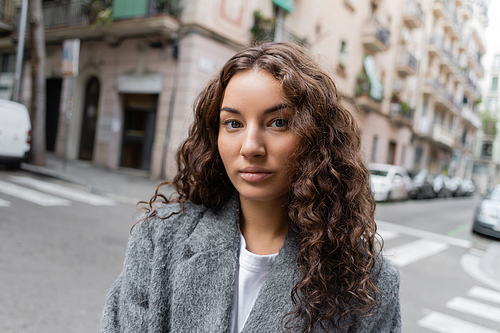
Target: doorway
(52,104)
(391,158)
(138,130)
(89,119)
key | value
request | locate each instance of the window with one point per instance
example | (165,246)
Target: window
(424,109)
(7,63)
(486,149)
(494,83)
(342,54)
(492,104)
(496,62)
(374,148)
(418,154)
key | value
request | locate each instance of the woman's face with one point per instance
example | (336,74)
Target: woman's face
(255,141)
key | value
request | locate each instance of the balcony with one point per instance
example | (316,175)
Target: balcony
(443,97)
(69,19)
(442,136)
(466,12)
(7,10)
(407,63)
(368,104)
(266,30)
(425,127)
(439,8)
(375,36)
(475,63)
(471,117)
(435,45)
(450,26)
(412,14)
(401,114)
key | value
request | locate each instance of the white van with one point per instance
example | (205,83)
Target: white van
(15,133)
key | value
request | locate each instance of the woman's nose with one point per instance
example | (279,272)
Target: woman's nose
(253,143)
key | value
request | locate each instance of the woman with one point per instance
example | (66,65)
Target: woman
(272,229)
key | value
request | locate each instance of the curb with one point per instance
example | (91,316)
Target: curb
(48,173)
(491,261)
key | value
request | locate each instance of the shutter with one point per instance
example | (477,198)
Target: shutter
(129,8)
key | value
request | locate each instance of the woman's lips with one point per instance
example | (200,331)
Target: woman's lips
(257,176)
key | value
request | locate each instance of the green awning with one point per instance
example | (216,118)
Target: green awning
(287,5)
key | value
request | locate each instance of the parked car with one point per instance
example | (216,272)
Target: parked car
(422,185)
(443,187)
(487,216)
(389,182)
(15,133)
(456,186)
(468,187)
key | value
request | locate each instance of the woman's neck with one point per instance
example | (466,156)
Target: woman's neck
(264,225)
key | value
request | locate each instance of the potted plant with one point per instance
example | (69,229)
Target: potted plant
(97,11)
(263,28)
(362,87)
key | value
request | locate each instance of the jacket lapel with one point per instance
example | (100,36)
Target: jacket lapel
(203,282)
(274,299)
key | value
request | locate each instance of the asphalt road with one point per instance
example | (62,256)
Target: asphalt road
(437,294)
(58,262)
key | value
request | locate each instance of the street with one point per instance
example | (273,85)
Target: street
(431,243)
(62,247)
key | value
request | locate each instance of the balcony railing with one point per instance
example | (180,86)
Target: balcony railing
(435,45)
(446,98)
(70,13)
(7,10)
(401,113)
(441,135)
(439,8)
(407,63)
(375,36)
(470,116)
(413,14)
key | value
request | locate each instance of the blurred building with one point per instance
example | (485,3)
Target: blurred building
(487,150)
(408,70)
(446,118)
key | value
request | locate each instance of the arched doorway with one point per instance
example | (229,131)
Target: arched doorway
(89,119)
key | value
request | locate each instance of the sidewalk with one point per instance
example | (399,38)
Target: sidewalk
(122,185)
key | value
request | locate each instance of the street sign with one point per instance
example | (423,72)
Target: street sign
(71,54)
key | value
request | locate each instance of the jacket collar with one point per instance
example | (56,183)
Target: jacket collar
(208,276)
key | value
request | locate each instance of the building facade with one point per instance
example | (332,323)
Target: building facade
(487,149)
(446,118)
(408,71)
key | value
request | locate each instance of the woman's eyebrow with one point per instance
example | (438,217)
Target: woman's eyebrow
(266,111)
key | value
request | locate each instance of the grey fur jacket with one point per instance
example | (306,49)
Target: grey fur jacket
(178,276)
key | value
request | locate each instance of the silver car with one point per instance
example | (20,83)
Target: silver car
(487,217)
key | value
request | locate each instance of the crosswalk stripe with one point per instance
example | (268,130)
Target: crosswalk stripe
(485,294)
(474,308)
(4,203)
(414,232)
(42,199)
(414,251)
(439,322)
(65,192)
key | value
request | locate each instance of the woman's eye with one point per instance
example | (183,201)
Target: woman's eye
(232,124)
(280,122)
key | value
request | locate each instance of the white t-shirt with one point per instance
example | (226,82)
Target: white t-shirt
(250,276)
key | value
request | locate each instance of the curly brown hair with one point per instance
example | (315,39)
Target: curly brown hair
(330,205)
